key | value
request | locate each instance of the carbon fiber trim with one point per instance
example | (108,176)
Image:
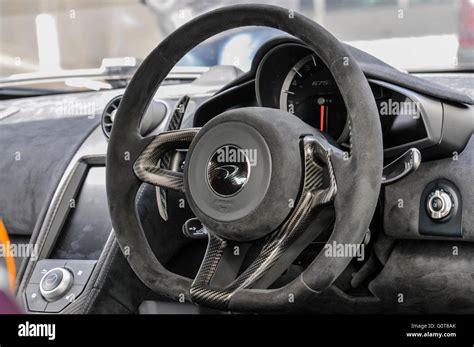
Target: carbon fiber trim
(316,191)
(200,292)
(147,167)
(174,124)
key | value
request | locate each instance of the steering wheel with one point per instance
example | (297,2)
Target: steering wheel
(258,179)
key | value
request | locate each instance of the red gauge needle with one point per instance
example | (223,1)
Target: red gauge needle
(321,117)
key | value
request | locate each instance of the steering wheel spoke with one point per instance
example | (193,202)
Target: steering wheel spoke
(174,124)
(148,166)
(320,176)
(280,248)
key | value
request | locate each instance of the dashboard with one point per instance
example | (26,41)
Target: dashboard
(285,75)
(414,112)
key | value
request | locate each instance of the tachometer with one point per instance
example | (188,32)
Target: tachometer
(310,92)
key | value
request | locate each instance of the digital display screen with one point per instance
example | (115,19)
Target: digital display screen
(400,118)
(88,225)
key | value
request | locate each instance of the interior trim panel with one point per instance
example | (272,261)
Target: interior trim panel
(402,199)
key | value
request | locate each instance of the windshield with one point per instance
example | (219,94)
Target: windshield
(49,36)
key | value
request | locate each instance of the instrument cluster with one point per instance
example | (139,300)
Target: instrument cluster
(294,79)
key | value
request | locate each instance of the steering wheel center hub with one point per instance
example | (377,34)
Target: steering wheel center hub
(243,172)
(228,170)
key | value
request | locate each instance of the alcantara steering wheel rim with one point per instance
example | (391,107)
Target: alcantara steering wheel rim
(358,174)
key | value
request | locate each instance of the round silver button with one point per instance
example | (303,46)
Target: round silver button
(55,283)
(439,204)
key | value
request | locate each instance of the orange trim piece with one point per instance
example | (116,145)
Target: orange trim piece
(9,261)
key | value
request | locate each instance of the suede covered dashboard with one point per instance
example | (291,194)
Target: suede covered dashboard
(36,145)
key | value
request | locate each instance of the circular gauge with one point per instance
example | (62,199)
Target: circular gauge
(310,92)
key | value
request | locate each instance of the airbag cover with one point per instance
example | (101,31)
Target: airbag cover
(268,142)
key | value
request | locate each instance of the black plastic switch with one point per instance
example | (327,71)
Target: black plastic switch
(34,299)
(194,229)
(81,269)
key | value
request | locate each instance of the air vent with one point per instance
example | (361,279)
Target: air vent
(109,114)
